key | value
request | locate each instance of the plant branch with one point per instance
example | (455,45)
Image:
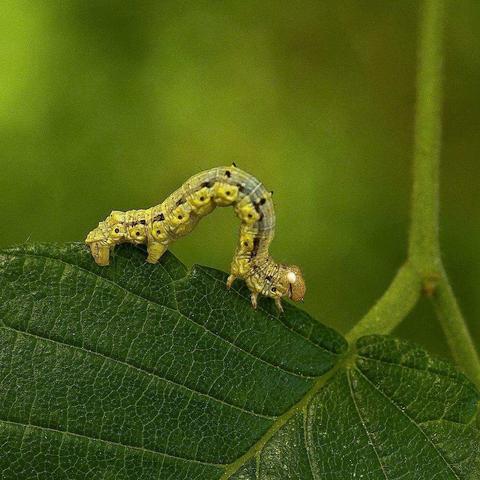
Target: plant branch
(395,304)
(455,329)
(424,251)
(424,272)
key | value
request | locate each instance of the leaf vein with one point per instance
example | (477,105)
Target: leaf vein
(178,312)
(275,318)
(138,369)
(407,367)
(357,408)
(109,442)
(308,446)
(417,425)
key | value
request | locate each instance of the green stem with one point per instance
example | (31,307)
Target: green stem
(395,304)
(424,251)
(424,272)
(456,331)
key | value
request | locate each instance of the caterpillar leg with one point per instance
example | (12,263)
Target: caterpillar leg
(231,278)
(155,251)
(253,298)
(101,253)
(278,304)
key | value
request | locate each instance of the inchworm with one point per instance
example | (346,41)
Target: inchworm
(179,213)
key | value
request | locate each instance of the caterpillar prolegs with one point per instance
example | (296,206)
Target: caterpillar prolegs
(177,216)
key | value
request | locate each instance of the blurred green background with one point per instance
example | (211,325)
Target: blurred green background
(113,104)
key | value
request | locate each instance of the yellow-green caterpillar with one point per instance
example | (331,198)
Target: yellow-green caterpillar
(179,213)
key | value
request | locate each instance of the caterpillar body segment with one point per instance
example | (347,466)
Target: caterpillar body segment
(159,226)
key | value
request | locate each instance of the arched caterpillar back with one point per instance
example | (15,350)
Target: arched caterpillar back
(179,213)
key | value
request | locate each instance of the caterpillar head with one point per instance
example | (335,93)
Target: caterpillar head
(288,282)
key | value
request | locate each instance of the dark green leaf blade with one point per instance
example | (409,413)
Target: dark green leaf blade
(392,412)
(149,371)
(107,355)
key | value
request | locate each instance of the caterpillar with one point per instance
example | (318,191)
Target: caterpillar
(159,226)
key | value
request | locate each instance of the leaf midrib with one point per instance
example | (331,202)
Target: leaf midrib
(283,419)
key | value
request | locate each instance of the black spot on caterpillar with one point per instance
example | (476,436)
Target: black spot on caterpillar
(256,245)
(161,225)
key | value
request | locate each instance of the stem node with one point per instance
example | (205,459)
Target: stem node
(430,283)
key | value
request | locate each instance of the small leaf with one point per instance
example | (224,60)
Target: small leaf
(139,371)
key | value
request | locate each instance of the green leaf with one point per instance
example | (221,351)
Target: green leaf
(139,371)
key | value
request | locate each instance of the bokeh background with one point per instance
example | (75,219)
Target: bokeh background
(113,104)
